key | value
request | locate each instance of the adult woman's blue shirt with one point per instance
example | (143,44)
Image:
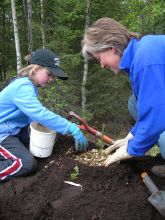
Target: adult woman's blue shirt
(144,61)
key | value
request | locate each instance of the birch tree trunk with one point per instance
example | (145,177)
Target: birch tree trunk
(4,43)
(16,35)
(42,24)
(30,31)
(85,75)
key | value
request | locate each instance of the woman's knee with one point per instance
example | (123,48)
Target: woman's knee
(132,107)
(161,144)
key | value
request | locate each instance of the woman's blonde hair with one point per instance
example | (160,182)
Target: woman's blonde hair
(29,71)
(106,33)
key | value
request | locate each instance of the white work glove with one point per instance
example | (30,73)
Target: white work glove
(120,154)
(118,143)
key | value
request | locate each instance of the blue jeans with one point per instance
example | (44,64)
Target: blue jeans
(132,107)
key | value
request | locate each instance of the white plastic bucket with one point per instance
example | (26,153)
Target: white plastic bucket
(42,140)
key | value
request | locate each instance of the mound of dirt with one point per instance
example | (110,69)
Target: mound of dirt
(116,192)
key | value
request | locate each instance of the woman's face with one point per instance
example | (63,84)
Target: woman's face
(42,77)
(109,59)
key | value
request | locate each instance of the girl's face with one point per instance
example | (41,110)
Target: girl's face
(108,59)
(42,77)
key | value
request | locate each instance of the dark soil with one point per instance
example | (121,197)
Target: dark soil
(112,193)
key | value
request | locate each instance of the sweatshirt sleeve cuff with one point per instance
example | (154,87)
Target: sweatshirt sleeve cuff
(134,151)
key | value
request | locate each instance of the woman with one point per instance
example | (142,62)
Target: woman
(20,106)
(143,59)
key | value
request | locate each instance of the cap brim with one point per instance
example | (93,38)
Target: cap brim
(57,71)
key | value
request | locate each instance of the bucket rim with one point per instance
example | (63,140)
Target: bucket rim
(51,131)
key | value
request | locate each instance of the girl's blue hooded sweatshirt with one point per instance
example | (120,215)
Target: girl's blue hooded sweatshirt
(19,105)
(144,61)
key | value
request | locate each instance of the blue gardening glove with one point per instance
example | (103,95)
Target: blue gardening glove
(81,142)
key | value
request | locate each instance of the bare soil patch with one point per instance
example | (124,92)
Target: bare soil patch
(112,193)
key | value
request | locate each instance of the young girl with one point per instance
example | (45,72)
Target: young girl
(19,106)
(143,59)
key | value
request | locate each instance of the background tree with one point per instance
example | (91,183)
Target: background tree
(3,43)
(42,23)
(16,35)
(85,75)
(62,23)
(30,30)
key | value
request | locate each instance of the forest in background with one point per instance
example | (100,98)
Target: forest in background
(59,26)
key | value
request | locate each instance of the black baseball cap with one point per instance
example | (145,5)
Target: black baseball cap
(49,60)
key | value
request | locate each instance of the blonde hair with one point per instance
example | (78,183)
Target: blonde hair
(29,71)
(106,33)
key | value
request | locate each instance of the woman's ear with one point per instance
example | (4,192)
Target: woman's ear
(113,50)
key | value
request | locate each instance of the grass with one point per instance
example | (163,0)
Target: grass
(154,151)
